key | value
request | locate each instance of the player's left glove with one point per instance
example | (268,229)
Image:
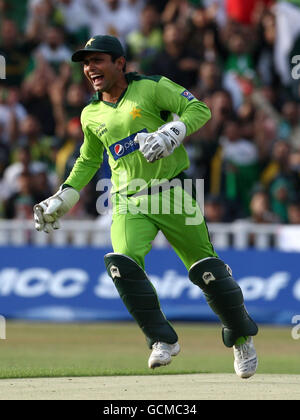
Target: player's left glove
(162,142)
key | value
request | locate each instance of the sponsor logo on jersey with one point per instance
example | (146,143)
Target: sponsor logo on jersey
(101,129)
(125,146)
(119,149)
(188,95)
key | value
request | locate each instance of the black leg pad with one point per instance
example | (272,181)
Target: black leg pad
(225,298)
(140,298)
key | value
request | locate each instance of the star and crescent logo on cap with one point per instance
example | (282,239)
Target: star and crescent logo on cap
(90,42)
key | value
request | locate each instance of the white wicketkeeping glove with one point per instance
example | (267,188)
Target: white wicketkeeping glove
(47,212)
(162,142)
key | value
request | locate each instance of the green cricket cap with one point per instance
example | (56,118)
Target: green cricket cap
(100,43)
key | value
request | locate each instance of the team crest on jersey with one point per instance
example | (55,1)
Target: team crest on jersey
(125,146)
(188,95)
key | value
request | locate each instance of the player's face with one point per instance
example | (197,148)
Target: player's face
(101,71)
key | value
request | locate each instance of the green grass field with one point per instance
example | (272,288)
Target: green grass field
(99,349)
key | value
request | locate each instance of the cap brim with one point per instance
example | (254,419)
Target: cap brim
(80,54)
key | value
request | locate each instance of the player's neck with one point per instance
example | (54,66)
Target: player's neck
(116,91)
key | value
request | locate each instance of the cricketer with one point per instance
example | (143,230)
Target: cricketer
(131,116)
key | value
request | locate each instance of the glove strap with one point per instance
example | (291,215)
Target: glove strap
(176,129)
(69,197)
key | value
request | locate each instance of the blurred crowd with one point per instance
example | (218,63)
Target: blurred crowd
(242,58)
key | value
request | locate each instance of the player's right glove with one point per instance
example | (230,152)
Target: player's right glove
(162,142)
(47,212)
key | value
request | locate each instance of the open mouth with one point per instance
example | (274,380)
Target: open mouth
(97,79)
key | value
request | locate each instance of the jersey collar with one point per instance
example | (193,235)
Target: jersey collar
(97,97)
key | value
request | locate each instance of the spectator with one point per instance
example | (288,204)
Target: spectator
(260,211)
(145,42)
(214,209)
(75,100)
(280,179)
(209,80)
(176,11)
(294,163)
(241,165)
(12,113)
(265,134)
(23,163)
(281,192)
(278,164)
(221,105)
(32,137)
(16,51)
(203,146)
(176,61)
(14,10)
(4,187)
(67,155)
(217,11)
(294,212)
(239,69)
(20,164)
(36,97)
(289,127)
(264,49)
(41,182)
(20,204)
(41,15)
(246,112)
(76,18)
(53,49)
(114,17)
(203,34)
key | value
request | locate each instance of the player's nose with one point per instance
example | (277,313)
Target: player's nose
(89,66)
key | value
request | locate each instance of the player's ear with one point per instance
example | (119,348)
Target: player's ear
(121,62)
